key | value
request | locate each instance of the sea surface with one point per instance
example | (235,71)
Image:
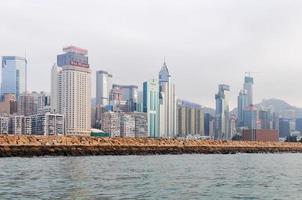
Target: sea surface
(239,176)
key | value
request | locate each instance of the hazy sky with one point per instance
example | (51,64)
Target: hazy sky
(205,42)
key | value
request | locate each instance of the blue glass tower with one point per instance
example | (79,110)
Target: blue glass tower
(14,75)
(151,106)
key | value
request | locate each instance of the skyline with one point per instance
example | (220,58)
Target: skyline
(247,42)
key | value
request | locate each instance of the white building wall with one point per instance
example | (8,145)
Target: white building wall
(76,103)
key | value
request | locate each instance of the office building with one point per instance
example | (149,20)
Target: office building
(190,119)
(284,127)
(27,104)
(264,119)
(8,104)
(243,103)
(74,90)
(222,113)
(103,87)
(167,101)
(209,125)
(56,89)
(14,75)
(151,106)
(299,124)
(248,87)
(73,56)
(43,102)
(125,93)
(250,118)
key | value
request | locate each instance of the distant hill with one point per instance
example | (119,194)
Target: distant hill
(278,106)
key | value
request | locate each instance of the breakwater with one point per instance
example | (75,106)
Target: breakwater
(27,146)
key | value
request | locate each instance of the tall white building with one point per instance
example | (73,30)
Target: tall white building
(71,89)
(56,89)
(167,101)
(103,87)
(222,115)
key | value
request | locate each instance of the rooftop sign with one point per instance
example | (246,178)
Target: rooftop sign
(75,49)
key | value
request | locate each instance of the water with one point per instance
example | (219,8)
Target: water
(240,176)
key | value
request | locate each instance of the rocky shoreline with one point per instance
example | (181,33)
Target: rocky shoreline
(28,146)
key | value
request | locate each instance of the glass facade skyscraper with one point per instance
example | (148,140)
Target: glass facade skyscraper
(14,75)
(248,86)
(222,114)
(151,106)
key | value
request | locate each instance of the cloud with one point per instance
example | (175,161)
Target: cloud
(205,43)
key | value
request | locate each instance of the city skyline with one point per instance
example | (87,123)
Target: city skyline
(191,53)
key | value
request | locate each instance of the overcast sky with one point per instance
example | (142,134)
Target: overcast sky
(204,42)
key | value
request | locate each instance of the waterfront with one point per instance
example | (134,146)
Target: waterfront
(239,176)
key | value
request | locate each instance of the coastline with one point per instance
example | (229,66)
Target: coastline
(29,146)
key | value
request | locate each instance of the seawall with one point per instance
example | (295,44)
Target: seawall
(28,146)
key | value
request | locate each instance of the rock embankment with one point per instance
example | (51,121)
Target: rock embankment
(13,145)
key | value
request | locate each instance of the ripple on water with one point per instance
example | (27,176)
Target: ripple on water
(241,176)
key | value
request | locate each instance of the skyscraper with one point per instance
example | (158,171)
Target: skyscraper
(73,90)
(151,106)
(190,119)
(128,94)
(242,105)
(222,115)
(103,87)
(26,104)
(167,103)
(248,86)
(14,75)
(56,89)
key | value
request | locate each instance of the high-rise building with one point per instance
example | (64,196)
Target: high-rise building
(47,124)
(250,118)
(264,119)
(190,119)
(103,87)
(248,86)
(56,89)
(151,106)
(243,103)
(8,104)
(111,123)
(299,124)
(14,75)
(26,104)
(127,125)
(222,113)
(167,101)
(284,127)
(141,124)
(209,124)
(43,102)
(74,56)
(73,92)
(19,124)
(127,94)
